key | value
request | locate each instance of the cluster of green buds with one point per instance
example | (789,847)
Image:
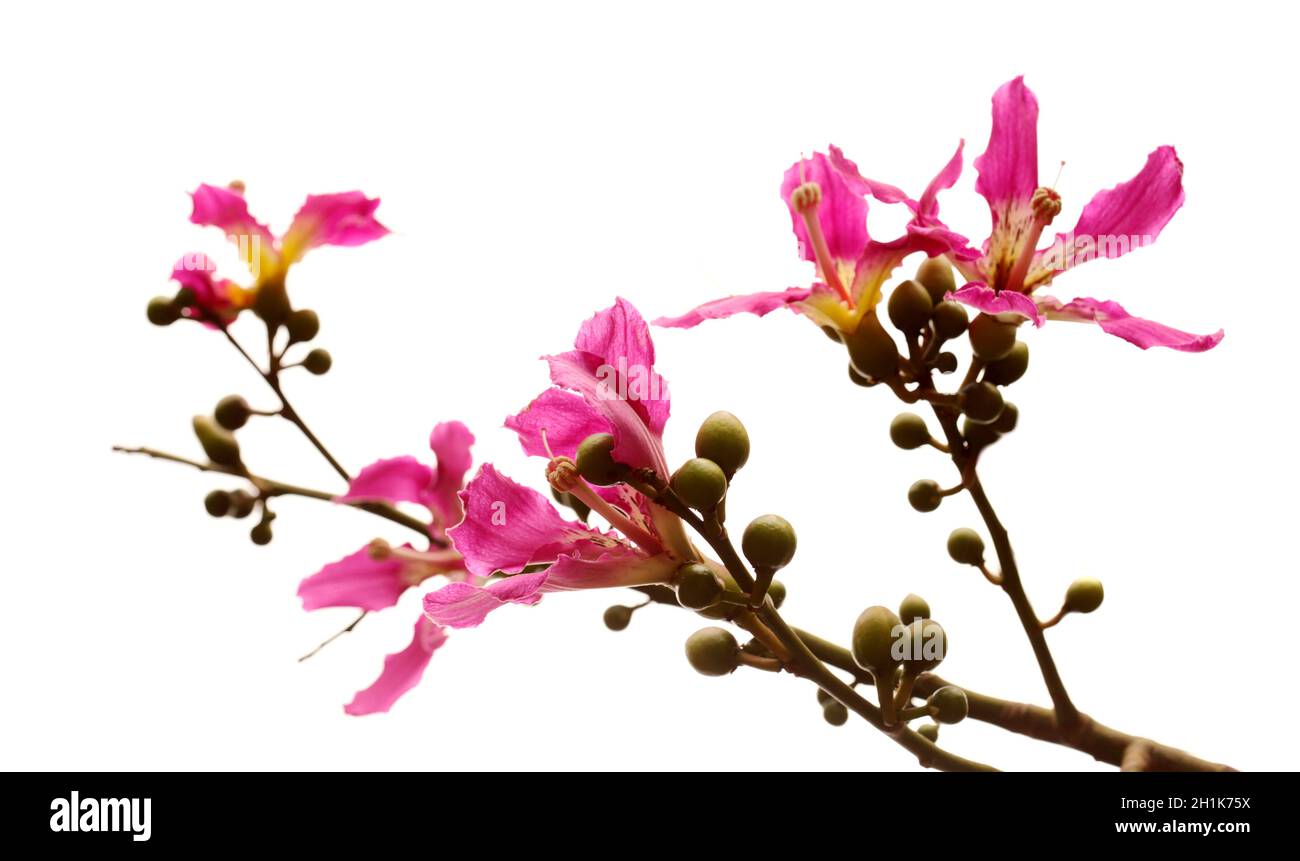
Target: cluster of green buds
(216,436)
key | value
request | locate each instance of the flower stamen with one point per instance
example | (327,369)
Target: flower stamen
(805,200)
(1046,205)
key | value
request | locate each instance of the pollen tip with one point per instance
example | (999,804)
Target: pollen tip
(806,197)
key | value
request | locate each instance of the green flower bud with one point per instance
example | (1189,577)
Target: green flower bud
(618,617)
(769,541)
(723,440)
(700,483)
(1006,420)
(217,503)
(936,276)
(162,311)
(218,443)
(271,303)
(858,379)
(910,307)
(698,588)
(874,634)
(929,731)
(909,431)
(835,713)
(713,651)
(241,504)
(948,705)
(1084,595)
(871,350)
(981,402)
(945,363)
(966,547)
(776,591)
(990,338)
(261,534)
(723,609)
(979,435)
(923,646)
(318,362)
(913,607)
(232,412)
(924,495)
(595,460)
(1010,367)
(303,325)
(950,320)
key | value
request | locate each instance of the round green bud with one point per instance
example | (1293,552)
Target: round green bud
(909,431)
(871,350)
(981,402)
(318,362)
(924,495)
(241,504)
(1010,367)
(260,534)
(769,541)
(858,379)
(776,591)
(618,617)
(924,645)
(723,439)
(979,435)
(948,705)
(835,713)
(271,303)
(1084,595)
(990,338)
(162,311)
(303,325)
(595,460)
(913,607)
(232,412)
(185,298)
(874,634)
(945,363)
(936,276)
(218,443)
(217,503)
(966,547)
(1006,420)
(698,588)
(910,307)
(700,483)
(950,320)
(929,731)
(712,651)
(724,609)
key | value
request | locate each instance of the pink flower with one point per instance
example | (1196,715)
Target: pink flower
(375,577)
(827,199)
(345,219)
(607,384)
(1005,275)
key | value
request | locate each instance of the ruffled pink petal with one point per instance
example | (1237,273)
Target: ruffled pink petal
(347,218)
(354,581)
(1008,169)
(508,526)
(226,209)
(463,605)
(621,337)
(451,443)
(394,479)
(759,304)
(842,213)
(565,416)
(1114,320)
(984,298)
(928,205)
(402,671)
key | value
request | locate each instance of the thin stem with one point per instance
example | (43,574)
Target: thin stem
(336,635)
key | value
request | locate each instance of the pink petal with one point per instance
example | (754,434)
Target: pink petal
(621,337)
(928,205)
(1008,169)
(347,218)
(848,171)
(395,479)
(842,213)
(1114,320)
(462,605)
(759,304)
(880,259)
(508,526)
(226,208)
(984,298)
(402,671)
(354,581)
(217,297)
(451,443)
(565,416)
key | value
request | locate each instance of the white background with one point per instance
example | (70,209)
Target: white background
(533,164)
